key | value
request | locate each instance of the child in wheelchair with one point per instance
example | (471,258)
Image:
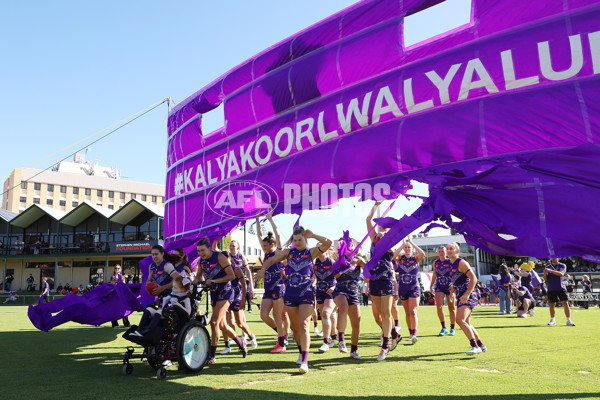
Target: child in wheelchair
(178,300)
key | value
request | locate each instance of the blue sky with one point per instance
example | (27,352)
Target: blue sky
(72,68)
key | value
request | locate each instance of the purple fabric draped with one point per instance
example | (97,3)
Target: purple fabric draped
(500,117)
(345,245)
(104,303)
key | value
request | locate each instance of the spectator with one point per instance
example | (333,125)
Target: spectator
(30,283)
(587,284)
(505,302)
(8,280)
(45,291)
(570,285)
(13,296)
(59,288)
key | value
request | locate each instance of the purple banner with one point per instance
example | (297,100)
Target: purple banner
(345,102)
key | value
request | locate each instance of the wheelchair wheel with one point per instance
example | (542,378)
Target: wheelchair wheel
(161,373)
(193,346)
(127,369)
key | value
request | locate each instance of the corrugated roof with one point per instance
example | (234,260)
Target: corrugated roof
(136,212)
(7,215)
(33,213)
(83,211)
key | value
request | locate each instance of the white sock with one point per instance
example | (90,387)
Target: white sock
(552,319)
(569,319)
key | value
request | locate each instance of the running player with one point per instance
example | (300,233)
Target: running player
(274,287)
(345,296)
(441,282)
(214,267)
(381,289)
(463,282)
(299,293)
(409,289)
(324,296)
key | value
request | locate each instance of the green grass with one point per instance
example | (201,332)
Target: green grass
(526,360)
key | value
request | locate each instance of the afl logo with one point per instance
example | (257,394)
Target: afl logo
(241,199)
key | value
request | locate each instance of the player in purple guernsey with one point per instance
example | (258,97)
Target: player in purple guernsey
(557,291)
(463,282)
(409,290)
(395,311)
(274,286)
(525,300)
(382,288)
(299,294)
(345,296)
(241,271)
(215,269)
(325,287)
(440,281)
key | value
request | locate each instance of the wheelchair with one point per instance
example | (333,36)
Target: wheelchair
(178,337)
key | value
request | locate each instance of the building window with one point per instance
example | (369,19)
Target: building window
(163,199)
(75,190)
(37,186)
(99,193)
(88,192)
(74,204)
(51,188)
(122,195)
(23,199)
(23,185)
(63,203)
(49,202)
(36,201)
(143,197)
(154,199)
(63,189)
(111,195)
(111,207)
(133,196)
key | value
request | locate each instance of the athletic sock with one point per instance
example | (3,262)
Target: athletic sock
(304,356)
(238,341)
(452,326)
(415,332)
(473,343)
(285,336)
(252,337)
(394,334)
(411,331)
(386,343)
(281,341)
(316,324)
(396,322)
(299,349)
(443,324)
(327,340)
(213,351)
(227,343)
(342,336)
(334,337)
(353,348)
(480,343)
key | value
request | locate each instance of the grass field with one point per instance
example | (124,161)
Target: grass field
(526,360)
